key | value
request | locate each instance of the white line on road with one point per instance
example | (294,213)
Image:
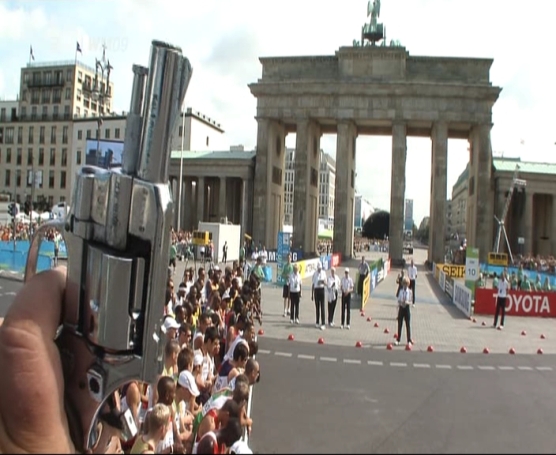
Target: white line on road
(377,363)
(329,359)
(263,351)
(352,361)
(10,293)
(544,368)
(465,367)
(486,367)
(506,368)
(421,365)
(398,364)
(283,354)
(306,357)
(525,368)
(444,367)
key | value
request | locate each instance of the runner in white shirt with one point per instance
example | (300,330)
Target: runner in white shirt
(412,274)
(333,284)
(503,288)
(347,288)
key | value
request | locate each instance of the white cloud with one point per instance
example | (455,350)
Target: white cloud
(224,39)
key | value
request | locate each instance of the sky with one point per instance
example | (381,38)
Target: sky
(224,39)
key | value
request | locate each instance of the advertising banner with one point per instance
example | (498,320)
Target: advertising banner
(518,303)
(308,267)
(442,280)
(366,291)
(282,254)
(453,271)
(449,286)
(462,298)
(472,268)
(273,255)
(373,279)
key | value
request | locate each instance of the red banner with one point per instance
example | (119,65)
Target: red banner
(518,303)
(336,259)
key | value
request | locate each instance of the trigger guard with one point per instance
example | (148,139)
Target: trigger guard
(35,245)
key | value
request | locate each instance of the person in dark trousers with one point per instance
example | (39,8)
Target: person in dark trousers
(225,252)
(404,312)
(317,294)
(363,270)
(347,288)
(333,286)
(502,295)
(295,294)
(412,275)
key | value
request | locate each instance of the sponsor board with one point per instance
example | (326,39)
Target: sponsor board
(274,256)
(366,291)
(518,303)
(449,287)
(453,271)
(308,267)
(462,298)
(442,280)
(380,275)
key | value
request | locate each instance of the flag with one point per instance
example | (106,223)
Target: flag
(78,48)
(31,55)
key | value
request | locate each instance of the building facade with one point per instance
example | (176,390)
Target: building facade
(363,210)
(460,193)
(408,215)
(326,187)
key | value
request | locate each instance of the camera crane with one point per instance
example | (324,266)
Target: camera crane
(516,183)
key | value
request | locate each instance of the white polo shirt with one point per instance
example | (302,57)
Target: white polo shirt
(503,286)
(412,272)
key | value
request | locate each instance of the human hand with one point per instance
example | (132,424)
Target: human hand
(32,415)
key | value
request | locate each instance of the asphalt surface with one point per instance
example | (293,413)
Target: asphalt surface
(8,290)
(334,399)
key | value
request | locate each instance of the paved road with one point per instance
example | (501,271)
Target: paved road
(333,399)
(8,290)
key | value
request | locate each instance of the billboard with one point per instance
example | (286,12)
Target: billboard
(108,155)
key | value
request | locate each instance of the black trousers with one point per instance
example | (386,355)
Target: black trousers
(318,295)
(500,310)
(412,287)
(404,314)
(332,310)
(294,306)
(346,309)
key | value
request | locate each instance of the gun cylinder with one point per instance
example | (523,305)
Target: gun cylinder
(134,122)
(165,92)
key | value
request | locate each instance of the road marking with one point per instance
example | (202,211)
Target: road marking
(444,367)
(398,364)
(283,354)
(421,365)
(506,368)
(525,368)
(377,363)
(352,361)
(263,351)
(329,359)
(486,368)
(306,357)
(10,293)
(544,368)
(465,367)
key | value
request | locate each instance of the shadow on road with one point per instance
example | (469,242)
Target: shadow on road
(443,298)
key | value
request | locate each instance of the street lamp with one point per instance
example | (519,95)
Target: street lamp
(101,92)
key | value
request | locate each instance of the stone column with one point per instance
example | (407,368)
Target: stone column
(437,230)
(244,207)
(222,202)
(262,182)
(397,192)
(200,200)
(344,197)
(529,247)
(175,198)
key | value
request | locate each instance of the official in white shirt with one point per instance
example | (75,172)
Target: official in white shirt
(503,288)
(333,284)
(317,294)
(346,286)
(412,275)
(404,313)
(295,294)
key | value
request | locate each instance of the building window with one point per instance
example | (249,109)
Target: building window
(7,178)
(65,135)
(29,157)
(69,75)
(66,112)
(53,157)
(23,113)
(68,94)
(208,141)
(18,178)
(50,201)
(57,96)
(107,133)
(64,157)
(63,180)
(35,96)
(20,135)
(44,112)
(9,136)
(34,113)
(53,135)
(88,134)
(41,135)
(41,157)
(8,156)
(51,179)
(79,135)
(117,133)
(45,99)
(56,112)
(18,158)
(180,131)
(78,158)
(31,137)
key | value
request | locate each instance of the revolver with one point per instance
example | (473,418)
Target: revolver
(117,236)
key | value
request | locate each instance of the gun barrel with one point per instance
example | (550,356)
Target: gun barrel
(134,123)
(169,74)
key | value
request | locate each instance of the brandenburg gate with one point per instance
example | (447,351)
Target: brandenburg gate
(373,90)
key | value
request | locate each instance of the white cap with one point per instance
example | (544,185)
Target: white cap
(170,323)
(240,447)
(198,360)
(347,270)
(187,381)
(319,265)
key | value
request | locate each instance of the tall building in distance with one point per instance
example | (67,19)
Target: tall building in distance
(62,119)
(363,210)
(408,215)
(327,188)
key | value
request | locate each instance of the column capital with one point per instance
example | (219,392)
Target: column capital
(347,124)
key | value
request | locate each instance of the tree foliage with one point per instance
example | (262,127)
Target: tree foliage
(377,225)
